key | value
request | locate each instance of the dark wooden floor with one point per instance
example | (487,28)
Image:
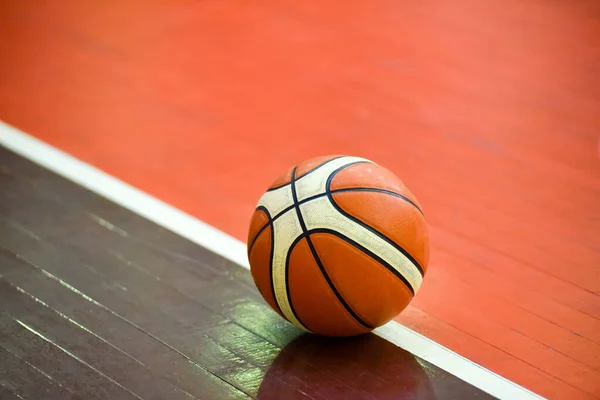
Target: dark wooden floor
(98,303)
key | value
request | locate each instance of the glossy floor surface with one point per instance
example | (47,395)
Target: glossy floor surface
(488,110)
(98,303)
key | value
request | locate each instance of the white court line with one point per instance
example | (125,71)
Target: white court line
(235,250)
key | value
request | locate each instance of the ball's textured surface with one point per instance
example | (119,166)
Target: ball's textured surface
(338,246)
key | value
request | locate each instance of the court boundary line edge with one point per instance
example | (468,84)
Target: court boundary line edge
(234,250)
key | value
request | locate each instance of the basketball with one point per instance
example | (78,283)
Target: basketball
(338,246)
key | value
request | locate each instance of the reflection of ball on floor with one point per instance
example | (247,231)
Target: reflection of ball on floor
(364,367)
(338,246)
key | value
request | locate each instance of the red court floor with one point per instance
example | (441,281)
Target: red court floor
(488,110)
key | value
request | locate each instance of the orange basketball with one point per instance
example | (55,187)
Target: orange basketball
(338,246)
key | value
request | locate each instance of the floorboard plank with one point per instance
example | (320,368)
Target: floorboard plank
(27,380)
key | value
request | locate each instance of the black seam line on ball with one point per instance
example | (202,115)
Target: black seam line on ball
(358,221)
(309,172)
(289,253)
(368,252)
(287,279)
(269,223)
(316,196)
(376,190)
(318,259)
(265,226)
